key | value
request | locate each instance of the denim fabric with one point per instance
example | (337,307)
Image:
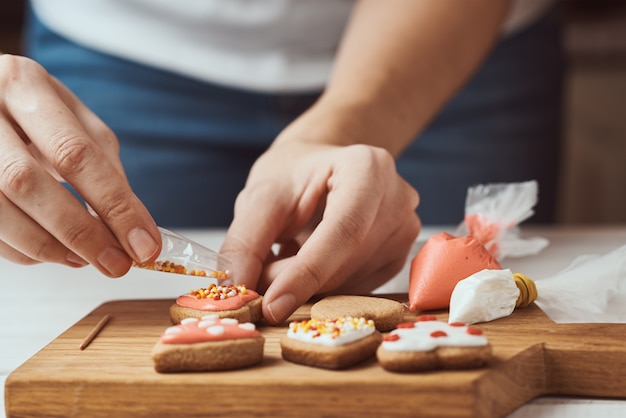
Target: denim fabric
(187,146)
(505,125)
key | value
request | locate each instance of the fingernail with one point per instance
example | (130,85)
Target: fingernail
(75,259)
(142,244)
(281,307)
(114,260)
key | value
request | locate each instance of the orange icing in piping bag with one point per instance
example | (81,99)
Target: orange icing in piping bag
(442,262)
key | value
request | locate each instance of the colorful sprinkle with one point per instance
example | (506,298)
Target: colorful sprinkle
(219,292)
(167,266)
(334,328)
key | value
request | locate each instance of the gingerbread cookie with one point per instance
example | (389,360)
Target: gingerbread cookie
(236,302)
(330,344)
(385,313)
(428,344)
(211,343)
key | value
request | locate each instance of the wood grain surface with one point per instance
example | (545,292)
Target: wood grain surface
(114,375)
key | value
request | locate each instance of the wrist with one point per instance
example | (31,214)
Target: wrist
(336,121)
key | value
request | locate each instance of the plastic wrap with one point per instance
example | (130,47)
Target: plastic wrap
(493,213)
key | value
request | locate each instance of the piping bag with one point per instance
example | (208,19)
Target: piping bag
(590,290)
(180,255)
(464,273)
(488,234)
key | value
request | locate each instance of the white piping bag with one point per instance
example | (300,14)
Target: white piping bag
(591,290)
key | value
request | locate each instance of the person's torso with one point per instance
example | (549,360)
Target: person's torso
(261,45)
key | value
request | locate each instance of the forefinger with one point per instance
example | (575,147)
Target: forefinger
(351,209)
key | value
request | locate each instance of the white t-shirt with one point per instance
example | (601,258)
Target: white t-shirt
(262,45)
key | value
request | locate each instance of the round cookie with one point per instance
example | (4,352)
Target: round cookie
(385,313)
(209,344)
(428,344)
(225,301)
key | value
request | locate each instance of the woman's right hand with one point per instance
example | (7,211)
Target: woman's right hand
(47,134)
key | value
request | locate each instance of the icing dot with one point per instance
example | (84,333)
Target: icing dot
(216,330)
(457,324)
(391,337)
(189,321)
(474,331)
(406,325)
(427,318)
(206,323)
(231,321)
(248,326)
(212,316)
(173,330)
(438,333)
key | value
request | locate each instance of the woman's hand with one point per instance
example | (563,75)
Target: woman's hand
(47,134)
(343,218)
(327,190)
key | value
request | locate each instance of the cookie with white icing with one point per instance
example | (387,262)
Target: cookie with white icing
(330,344)
(428,344)
(232,301)
(385,313)
(208,344)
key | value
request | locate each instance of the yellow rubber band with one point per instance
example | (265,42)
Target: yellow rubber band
(528,290)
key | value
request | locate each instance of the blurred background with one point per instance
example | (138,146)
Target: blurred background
(593,182)
(594,177)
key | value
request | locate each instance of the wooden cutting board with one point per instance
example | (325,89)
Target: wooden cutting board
(114,376)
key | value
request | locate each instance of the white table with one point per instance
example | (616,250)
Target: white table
(37,303)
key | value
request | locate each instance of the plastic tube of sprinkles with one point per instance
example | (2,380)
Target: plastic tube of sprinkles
(180,255)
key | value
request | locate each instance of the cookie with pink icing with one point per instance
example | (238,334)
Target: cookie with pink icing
(226,301)
(207,344)
(429,344)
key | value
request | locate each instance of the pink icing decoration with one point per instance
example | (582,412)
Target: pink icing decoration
(208,330)
(208,304)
